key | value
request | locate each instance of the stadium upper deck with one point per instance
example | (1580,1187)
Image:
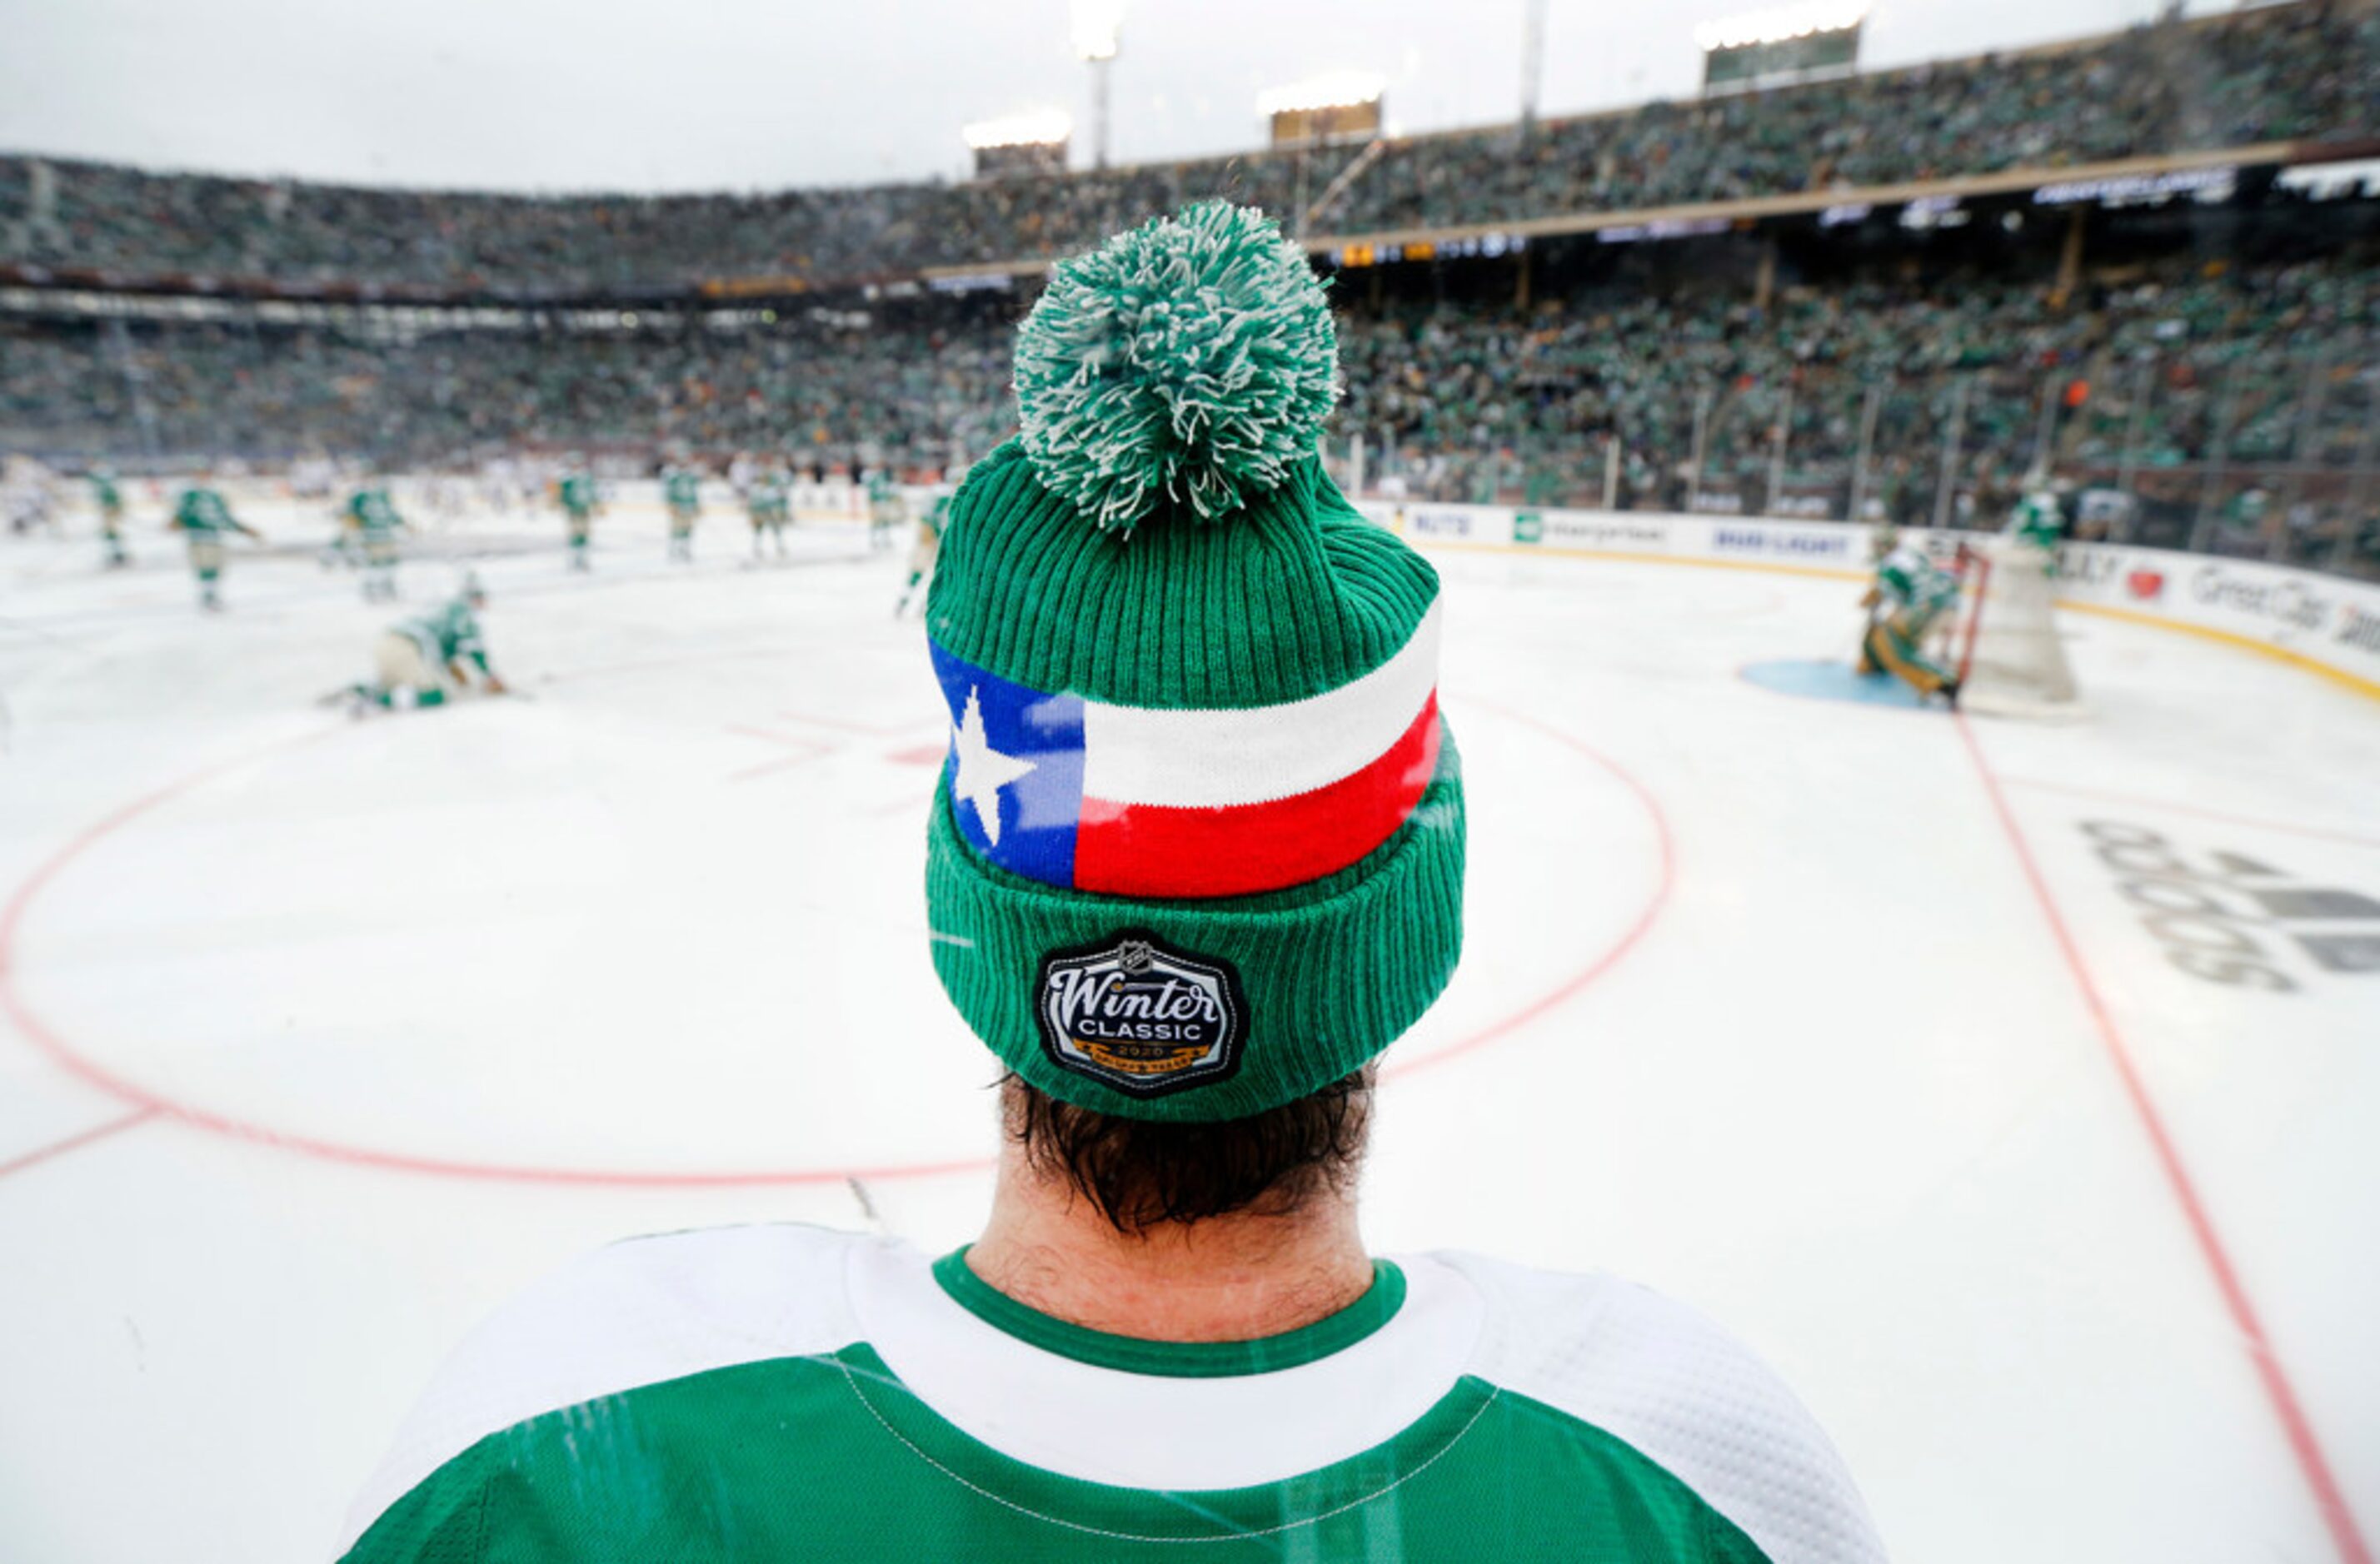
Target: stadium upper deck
(2263,84)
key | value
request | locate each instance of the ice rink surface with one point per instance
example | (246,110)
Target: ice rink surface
(2014,1088)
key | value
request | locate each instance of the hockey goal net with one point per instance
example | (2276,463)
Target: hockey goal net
(2009,658)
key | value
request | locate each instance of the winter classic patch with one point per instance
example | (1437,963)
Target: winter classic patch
(1136,1015)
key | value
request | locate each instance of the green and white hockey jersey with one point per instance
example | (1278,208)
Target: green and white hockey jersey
(375,515)
(447,636)
(786,1392)
(2038,521)
(577,496)
(769,500)
(682,491)
(202,513)
(1915,588)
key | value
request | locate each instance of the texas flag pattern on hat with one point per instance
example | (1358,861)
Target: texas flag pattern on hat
(1169,802)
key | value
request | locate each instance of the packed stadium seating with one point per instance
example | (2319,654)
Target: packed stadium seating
(2233,397)
(2299,71)
(2276,365)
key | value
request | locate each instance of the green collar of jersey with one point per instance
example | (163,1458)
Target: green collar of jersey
(1180,1360)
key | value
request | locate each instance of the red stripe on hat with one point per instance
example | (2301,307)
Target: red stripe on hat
(1150,849)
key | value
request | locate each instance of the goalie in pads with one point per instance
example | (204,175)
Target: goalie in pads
(1908,599)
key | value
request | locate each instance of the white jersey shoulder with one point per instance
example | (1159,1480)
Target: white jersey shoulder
(1681,1392)
(1644,1370)
(637,1312)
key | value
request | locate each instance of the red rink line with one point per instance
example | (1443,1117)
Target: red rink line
(1653,904)
(74,1143)
(62,1052)
(2192,810)
(2312,1463)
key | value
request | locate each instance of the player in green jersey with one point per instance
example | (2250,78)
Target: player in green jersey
(202,516)
(767,501)
(886,509)
(2039,522)
(581,502)
(1169,1344)
(682,492)
(423,661)
(1908,599)
(373,517)
(109,500)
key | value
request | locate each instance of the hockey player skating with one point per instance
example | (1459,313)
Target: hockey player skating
(580,502)
(768,500)
(424,661)
(109,500)
(886,510)
(2038,521)
(202,516)
(682,492)
(1170,1342)
(922,552)
(1908,599)
(376,523)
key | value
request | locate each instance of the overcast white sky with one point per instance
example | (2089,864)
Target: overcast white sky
(707,94)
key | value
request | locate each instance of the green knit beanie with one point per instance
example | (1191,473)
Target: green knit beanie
(1197,851)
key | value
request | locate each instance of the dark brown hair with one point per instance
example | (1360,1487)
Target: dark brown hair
(1140,1174)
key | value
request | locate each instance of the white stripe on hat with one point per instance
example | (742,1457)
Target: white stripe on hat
(1215,758)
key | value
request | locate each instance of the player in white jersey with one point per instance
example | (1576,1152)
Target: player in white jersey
(1186,888)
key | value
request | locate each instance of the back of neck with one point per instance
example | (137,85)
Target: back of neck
(1228,1278)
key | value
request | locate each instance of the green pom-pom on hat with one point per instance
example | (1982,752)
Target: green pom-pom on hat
(1193,357)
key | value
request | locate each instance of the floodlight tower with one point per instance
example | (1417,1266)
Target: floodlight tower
(1096,25)
(1533,63)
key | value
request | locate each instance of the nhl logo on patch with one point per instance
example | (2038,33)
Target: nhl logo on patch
(1138,1015)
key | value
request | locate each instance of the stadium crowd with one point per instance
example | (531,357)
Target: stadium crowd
(2162,375)
(2149,371)
(2303,71)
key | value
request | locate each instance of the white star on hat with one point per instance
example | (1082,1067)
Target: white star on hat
(982,770)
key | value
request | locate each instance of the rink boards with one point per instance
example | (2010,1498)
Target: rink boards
(2322,622)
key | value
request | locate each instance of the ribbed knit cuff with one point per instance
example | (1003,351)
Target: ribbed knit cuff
(1322,977)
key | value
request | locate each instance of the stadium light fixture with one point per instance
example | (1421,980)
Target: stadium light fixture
(1332,90)
(1097,26)
(1780,24)
(1032,127)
